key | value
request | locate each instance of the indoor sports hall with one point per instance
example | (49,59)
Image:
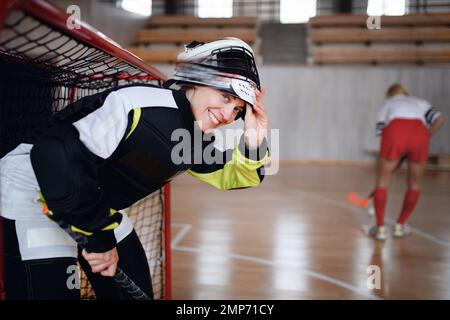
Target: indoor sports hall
(352,201)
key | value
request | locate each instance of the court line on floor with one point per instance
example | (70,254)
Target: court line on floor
(341,204)
(349,207)
(185,228)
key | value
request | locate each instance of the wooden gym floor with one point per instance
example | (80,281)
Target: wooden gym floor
(295,237)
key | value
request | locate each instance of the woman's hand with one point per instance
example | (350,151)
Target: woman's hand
(256,121)
(105,262)
(437,124)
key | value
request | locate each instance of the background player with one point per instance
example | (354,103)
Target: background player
(406,124)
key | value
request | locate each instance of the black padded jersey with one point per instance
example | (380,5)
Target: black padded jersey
(107,151)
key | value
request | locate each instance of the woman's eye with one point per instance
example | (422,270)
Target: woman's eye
(238,109)
(226,99)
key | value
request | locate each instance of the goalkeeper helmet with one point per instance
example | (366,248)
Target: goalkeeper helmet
(227,65)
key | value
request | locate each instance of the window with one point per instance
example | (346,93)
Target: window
(294,11)
(142,7)
(215,9)
(386,7)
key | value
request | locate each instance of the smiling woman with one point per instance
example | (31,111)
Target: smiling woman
(226,68)
(107,151)
(213,108)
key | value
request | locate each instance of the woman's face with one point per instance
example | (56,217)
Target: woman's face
(213,108)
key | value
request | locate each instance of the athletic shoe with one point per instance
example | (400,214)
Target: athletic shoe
(378,233)
(401,230)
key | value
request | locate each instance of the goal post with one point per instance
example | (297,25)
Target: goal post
(45,66)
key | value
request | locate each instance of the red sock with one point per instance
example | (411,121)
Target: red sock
(409,203)
(379,199)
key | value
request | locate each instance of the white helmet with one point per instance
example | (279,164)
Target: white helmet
(227,65)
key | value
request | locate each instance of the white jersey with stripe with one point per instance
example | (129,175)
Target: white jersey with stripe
(405,107)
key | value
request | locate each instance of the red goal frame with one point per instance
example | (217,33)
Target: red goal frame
(56,18)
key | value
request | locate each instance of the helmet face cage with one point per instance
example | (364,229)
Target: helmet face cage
(230,68)
(235,60)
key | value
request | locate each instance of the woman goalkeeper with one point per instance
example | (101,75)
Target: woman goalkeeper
(107,151)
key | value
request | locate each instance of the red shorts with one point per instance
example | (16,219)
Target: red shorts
(409,137)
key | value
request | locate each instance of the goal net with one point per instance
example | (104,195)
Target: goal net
(45,66)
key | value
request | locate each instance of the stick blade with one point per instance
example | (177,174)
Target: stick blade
(357,201)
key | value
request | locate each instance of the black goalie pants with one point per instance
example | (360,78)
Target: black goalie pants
(57,278)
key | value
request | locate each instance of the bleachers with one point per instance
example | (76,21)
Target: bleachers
(387,34)
(346,39)
(359,20)
(380,55)
(164,36)
(189,21)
